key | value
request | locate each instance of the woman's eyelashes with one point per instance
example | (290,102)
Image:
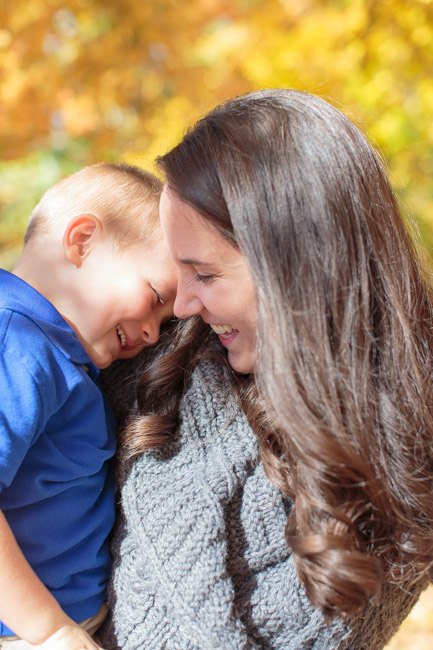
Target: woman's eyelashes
(204,278)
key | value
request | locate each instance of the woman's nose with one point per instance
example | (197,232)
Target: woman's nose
(186,304)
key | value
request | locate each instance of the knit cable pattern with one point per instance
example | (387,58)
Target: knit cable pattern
(200,559)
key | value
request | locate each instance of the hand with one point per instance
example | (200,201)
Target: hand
(69,637)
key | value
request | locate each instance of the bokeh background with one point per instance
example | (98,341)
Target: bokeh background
(120,80)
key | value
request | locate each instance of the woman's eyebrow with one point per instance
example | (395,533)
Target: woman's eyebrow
(194,262)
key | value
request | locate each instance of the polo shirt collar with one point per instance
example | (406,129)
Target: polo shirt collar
(19,296)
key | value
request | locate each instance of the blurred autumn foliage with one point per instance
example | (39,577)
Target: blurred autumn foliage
(90,80)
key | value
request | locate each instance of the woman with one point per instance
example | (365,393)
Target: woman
(290,245)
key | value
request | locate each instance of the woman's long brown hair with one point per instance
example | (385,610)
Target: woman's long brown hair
(345,348)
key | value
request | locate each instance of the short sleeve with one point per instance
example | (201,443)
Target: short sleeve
(20,414)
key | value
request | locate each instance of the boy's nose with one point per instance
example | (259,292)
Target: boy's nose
(150,331)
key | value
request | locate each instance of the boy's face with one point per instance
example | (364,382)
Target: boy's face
(123,297)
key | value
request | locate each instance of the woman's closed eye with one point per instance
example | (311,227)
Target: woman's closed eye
(204,278)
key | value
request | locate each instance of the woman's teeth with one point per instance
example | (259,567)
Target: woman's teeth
(122,336)
(223,329)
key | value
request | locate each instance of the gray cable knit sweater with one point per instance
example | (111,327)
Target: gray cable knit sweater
(200,559)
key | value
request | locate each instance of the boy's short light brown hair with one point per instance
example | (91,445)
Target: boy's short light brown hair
(124,197)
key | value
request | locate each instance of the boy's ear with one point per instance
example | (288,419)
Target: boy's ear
(79,236)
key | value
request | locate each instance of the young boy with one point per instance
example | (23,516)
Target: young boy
(93,284)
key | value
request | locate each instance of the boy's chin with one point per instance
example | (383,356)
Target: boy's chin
(101,361)
(131,352)
(102,364)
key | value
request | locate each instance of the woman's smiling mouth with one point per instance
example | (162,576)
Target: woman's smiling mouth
(224,330)
(226,333)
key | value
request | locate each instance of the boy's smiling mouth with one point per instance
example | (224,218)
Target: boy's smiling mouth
(121,334)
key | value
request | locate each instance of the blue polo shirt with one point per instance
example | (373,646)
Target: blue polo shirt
(56,447)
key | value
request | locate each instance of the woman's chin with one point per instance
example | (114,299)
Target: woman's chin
(243,363)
